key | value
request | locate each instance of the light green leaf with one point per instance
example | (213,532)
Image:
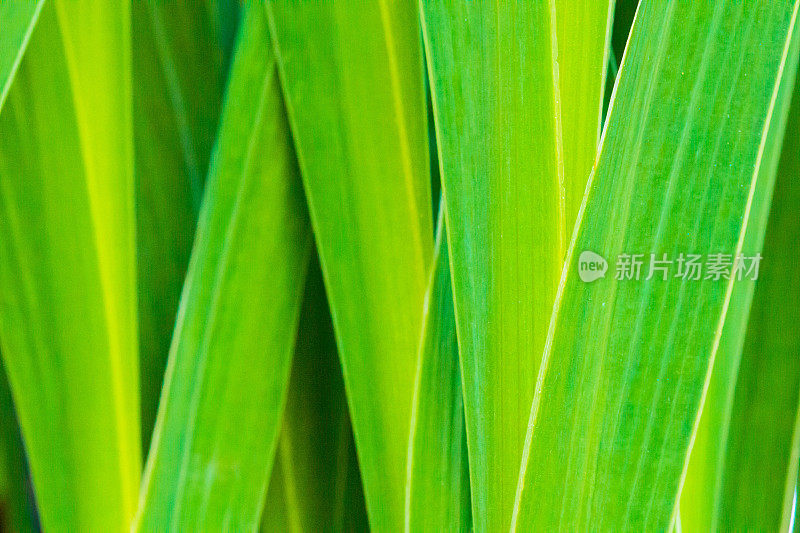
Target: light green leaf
(437,486)
(495,101)
(352,77)
(225,384)
(315,483)
(583,28)
(760,471)
(627,361)
(67,265)
(178,84)
(17,20)
(700,496)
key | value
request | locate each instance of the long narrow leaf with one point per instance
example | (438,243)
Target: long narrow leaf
(352,76)
(178,83)
(758,477)
(627,360)
(224,389)
(583,28)
(437,487)
(67,265)
(700,497)
(495,101)
(315,483)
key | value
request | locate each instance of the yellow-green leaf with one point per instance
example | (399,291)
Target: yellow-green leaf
(627,361)
(583,29)
(495,100)
(437,486)
(225,384)
(352,77)
(67,265)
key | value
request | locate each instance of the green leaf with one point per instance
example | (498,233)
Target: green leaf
(315,483)
(16,506)
(17,20)
(700,496)
(178,84)
(495,100)
(583,28)
(224,16)
(67,265)
(225,384)
(627,361)
(352,77)
(760,460)
(437,487)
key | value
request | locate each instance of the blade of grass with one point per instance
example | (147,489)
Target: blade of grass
(496,107)
(701,490)
(315,483)
(17,20)
(583,28)
(626,363)
(437,484)
(352,77)
(225,384)
(178,84)
(67,265)
(759,473)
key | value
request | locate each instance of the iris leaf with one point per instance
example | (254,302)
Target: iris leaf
(760,465)
(583,29)
(67,265)
(315,483)
(178,84)
(437,487)
(701,496)
(627,361)
(225,384)
(495,102)
(352,77)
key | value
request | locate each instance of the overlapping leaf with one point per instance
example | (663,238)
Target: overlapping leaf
(16,506)
(179,67)
(225,385)
(437,486)
(352,77)
(67,265)
(315,483)
(495,100)
(701,498)
(626,361)
(760,459)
